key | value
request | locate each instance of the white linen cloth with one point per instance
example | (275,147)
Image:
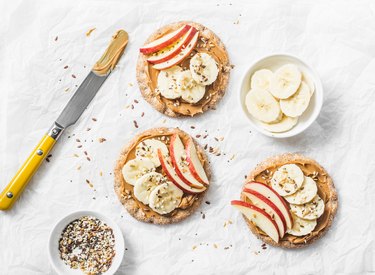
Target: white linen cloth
(39,38)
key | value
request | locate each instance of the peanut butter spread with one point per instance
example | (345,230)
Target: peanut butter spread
(187,199)
(207,43)
(112,54)
(321,178)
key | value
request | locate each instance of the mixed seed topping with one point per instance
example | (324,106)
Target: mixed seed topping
(88,244)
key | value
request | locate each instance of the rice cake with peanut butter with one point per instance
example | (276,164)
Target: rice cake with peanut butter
(263,173)
(134,201)
(150,72)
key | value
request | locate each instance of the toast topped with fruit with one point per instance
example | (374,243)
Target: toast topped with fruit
(288,200)
(161,176)
(183,69)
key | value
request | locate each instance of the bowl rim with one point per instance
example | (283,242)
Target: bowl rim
(318,89)
(119,238)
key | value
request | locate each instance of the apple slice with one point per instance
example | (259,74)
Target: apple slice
(173,177)
(262,202)
(178,157)
(259,217)
(173,49)
(185,51)
(271,194)
(164,41)
(195,165)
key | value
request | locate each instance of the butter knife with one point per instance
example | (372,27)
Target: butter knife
(71,113)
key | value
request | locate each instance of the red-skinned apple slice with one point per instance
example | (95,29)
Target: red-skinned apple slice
(259,217)
(195,165)
(262,202)
(173,49)
(173,177)
(178,157)
(164,41)
(271,194)
(180,56)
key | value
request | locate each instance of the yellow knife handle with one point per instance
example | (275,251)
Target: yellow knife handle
(28,169)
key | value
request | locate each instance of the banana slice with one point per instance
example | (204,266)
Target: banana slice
(189,89)
(301,227)
(286,123)
(136,168)
(285,81)
(295,105)
(203,69)
(309,211)
(287,179)
(165,198)
(309,81)
(167,82)
(305,194)
(261,79)
(145,184)
(148,149)
(262,105)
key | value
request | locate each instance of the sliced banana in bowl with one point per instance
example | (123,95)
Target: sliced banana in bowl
(285,82)
(292,84)
(284,124)
(309,81)
(261,79)
(295,105)
(263,106)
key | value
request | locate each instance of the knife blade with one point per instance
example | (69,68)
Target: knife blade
(80,100)
(70,114)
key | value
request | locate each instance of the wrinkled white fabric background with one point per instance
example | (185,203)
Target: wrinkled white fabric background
(335,37)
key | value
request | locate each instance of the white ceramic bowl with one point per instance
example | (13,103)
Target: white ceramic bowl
(53,244)
(273,62)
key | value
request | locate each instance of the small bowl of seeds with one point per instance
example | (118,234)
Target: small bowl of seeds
(86,242)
